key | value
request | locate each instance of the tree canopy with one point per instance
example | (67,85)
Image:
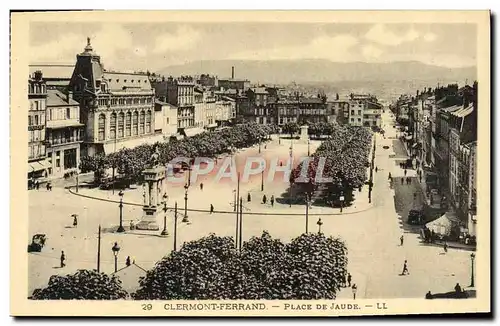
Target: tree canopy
(312,266)
(83,285)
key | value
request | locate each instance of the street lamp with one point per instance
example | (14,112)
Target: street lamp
(308,147)
(291,170)
(307,212)
(120,228)
(116,250)
(259,144)
(77,172)
(262,181)
(342,198)
(185,218)
(472,257)
(320,223)
(164,232)
(234,192)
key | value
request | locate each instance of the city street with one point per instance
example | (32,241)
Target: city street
(371,231)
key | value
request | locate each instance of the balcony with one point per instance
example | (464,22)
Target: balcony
(62,141)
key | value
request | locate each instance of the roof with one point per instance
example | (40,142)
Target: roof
(165,104)
(120,81)
(57,98)
(311,100)
(55,71)
(452,108)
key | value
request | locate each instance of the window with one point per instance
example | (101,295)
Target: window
(359,112)
(101,125)
(359,119)
(128,122)
(352,112)
(68,113)
(36,119)
(112,126)
(352,119)
(135,123)
(121,121)
(58,159)
(29,121)
(141,123)
(148,122)
(168,120)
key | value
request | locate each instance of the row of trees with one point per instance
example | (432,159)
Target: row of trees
(132,161)
(311,266)
(316,129)
(345,159)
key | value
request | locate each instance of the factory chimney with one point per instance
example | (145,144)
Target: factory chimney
(232,72)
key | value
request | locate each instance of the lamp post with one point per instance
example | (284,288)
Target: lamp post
(262,181)
(116,250)
(291,170)
(320,223)
(307,213)
(175,227)
(472,257)
(120,227)
(165,199)
(308,147)
(260,144)
(185,218)
(342,198)
(77,173)
(234,200)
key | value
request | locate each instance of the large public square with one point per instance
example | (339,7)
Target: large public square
(371,231)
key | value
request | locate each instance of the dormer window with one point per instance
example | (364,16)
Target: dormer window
(117,80)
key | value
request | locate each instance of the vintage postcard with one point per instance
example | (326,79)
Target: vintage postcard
(245,163)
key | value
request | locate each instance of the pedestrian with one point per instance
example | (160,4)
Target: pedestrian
(402,181)
(281,163)
(211,208)
(390,176)
(75,221)
(354,290)
(420,178)
(349,279)
(265,146)
(264,199)
(37,184)
(376,169)
(272,200)
(458,288)
(132,225)
(402,239)
(406,172)
(405,269)
(445,247)
(201,186)
(127,262)
(407,180)
(63,258)
(249,198)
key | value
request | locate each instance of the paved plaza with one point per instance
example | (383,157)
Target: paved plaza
(371,230)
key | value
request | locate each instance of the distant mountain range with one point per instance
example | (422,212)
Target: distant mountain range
(304,71)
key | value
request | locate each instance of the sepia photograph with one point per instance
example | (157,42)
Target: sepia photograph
(250,163)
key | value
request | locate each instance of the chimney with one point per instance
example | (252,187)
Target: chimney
(232,72)
(38,75)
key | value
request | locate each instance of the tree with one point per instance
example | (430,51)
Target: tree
(312,266)
(83,285)
(290,128)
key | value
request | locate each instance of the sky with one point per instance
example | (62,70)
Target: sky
(154,46)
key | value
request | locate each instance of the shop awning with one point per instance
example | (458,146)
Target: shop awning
(190,132)
(463,112)
(444,224)
(38,165)
(63,124)
(213,125)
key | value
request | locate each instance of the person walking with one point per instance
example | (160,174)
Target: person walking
(402,181)
(75,220)
(127,262)
(376,169)
(63,259)
(349,279)
(402,239)
(406,172)
(445,247)
(272,200)
(405,268)
(201,186)
(211,209)
(458,288)
(264,199)
(249,198)
(390,176)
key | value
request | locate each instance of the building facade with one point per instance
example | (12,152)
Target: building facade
(180,93)
(38,166)
(472,199)
(312,110)
(116,108)
(165,119)
(339,111)
(64,132)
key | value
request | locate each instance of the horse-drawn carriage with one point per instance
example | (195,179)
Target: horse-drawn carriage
(37,243)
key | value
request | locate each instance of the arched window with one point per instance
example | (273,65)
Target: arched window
(135,123)
(101,127)
(128,124)
(148,121)
(112,126)
(121,122)
(141,123)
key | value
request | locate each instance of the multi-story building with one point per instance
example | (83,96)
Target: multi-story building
(206,80)
(312,110)
(339,111)
(117,108)
(472,199)
(38,166)
(356,109)
(372,114)
(200,109)
(224,112)
(165,119)
(64,132)
(56,76)
(233,83)
(288,110)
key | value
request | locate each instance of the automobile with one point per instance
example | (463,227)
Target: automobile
(415,217)
(37,243)
(385,147)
